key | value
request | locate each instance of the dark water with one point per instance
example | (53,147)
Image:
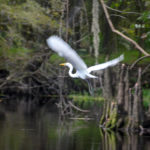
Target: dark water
(44,130)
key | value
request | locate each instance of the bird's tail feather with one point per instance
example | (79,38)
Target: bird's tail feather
(90,75)
(91,90)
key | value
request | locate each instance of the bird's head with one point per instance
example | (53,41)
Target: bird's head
(62,64)
(66,64)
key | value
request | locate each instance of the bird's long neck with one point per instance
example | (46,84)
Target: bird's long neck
(73,75)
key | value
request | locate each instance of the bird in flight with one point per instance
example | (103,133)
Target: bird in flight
(63,49)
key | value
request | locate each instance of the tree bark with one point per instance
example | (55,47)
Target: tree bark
(95,28)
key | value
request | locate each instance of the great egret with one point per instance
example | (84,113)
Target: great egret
(82,71)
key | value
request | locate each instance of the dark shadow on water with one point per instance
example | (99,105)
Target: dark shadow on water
(42,129)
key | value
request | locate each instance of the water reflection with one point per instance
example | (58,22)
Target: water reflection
(46,131)
(124,141)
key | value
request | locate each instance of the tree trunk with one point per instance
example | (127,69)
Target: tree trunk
(137,104)
(126,111)
(95,28)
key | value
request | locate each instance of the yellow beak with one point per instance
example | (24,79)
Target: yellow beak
(63,64)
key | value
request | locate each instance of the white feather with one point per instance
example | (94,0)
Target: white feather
(64,50)
(106,65)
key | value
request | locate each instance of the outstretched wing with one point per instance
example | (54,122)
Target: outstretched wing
(64,50)
(105,65)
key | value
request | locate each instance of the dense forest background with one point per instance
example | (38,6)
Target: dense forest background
(26,61)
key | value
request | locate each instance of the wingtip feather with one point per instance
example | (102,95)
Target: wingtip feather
(121,57)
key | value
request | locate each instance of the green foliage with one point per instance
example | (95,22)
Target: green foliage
(86,97)
(145,17)
(20,52)
(115,4)
(133,21)
(56,59)
(147,40)
(112,120)
(146,98)
(22,26)
(27,13)
(129,57)
(25,24)
(85,101)
(24,21)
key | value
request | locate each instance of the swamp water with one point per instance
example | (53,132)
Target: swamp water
(44,130)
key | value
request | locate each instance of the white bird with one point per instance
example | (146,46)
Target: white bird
(82,71)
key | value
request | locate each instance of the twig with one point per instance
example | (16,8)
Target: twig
(79,109)
(119,33)
(138,61)
(81,39)
(122,11)
(145,69)
(115,15)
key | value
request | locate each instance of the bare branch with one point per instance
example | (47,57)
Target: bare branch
(114,15)
(138,61)
(145,69)
(119,33)
(82,38)
(77,108)
(122,11)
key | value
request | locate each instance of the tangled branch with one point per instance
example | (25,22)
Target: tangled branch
(141,58)
(119,33)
